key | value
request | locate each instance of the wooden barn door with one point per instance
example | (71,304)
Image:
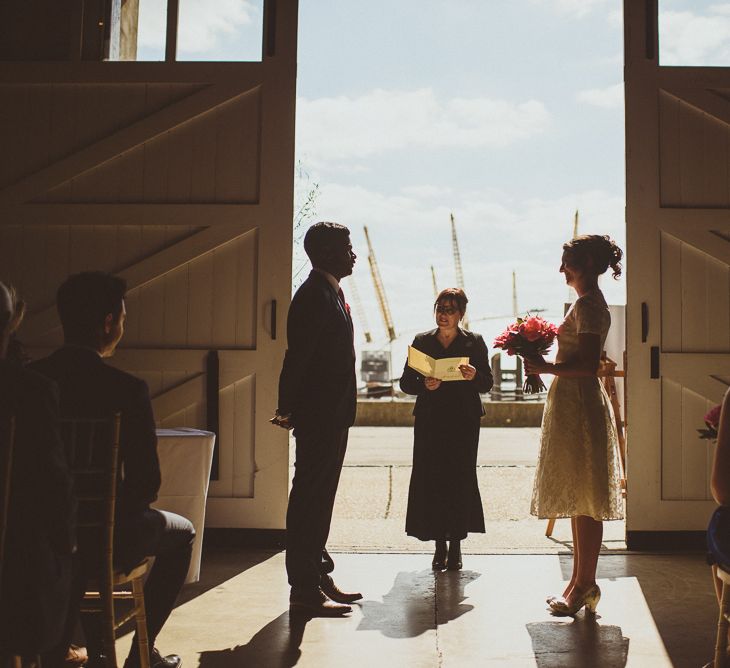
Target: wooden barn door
(678,242)
(178,177)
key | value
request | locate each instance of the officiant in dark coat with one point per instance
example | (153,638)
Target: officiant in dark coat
(444,503)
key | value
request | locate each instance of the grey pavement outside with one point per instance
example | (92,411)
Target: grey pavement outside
(370,510)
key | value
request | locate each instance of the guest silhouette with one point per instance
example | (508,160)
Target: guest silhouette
(92,311)
(40,538)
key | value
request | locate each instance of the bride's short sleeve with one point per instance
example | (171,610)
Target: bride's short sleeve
(591,317)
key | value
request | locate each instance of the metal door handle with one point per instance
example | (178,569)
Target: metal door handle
(654,362)
(273,319)
(644,321)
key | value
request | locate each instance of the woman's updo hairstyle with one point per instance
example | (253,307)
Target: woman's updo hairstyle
(453,295)
(600,251)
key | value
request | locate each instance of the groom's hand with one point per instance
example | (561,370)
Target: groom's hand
(283,421)
(431,383)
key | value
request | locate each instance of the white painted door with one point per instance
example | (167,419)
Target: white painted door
(678,243)
(179,177)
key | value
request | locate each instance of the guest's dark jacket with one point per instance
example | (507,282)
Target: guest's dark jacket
(40,533)
(91,388)
(317,382)
(461,394)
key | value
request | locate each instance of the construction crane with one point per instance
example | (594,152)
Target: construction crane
(380,290)
(457,265)
(359,309)
(433,280)
(515,311)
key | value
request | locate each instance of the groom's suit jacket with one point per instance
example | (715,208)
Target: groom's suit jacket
(317,383)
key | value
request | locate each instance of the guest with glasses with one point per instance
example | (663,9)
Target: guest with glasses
(444,503)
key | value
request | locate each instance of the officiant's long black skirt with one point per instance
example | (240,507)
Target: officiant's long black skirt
(443,498)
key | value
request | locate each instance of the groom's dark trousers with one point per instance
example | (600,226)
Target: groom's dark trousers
(317,387)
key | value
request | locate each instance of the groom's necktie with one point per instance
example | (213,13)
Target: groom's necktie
(346,306)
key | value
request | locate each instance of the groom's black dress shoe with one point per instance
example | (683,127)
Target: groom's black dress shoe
(332,591)
(317,604)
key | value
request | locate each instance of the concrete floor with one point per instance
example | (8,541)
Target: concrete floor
(656,611)
(370,510)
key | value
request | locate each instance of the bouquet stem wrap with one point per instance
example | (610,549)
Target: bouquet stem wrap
(533,384)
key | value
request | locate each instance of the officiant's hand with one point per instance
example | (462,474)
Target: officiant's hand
(468,371)
(431,383)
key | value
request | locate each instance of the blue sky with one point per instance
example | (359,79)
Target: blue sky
(508,114)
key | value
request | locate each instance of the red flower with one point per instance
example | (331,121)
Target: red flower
(712,418)
(532,329)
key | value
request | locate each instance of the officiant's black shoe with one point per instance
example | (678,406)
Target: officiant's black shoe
(453,561)
(439,556)
(332,591)
(317,604)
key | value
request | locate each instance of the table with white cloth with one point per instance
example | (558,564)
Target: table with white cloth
(186,456)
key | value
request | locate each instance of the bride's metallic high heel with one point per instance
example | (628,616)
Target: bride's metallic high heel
(589,600)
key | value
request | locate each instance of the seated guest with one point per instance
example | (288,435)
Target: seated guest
(718,539)
(92,311)
(39,540)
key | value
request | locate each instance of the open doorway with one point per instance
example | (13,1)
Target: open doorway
(462,144)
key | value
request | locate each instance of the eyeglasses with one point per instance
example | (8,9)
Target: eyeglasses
(447,310)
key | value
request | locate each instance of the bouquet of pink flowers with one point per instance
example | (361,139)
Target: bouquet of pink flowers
(528,337)
(712,420)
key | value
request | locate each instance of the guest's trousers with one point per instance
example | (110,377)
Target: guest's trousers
(320,452)
(166,536)
(169,538)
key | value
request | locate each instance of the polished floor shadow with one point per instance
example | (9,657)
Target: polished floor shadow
(220,565)
(678,591)
(658,610)
(276,645)
(581,642)
(418,601)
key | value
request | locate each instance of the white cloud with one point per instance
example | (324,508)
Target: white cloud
(427,191)
(688,38)
(344,127)
(201,23)
(496,235)
(611,97)
(575,8)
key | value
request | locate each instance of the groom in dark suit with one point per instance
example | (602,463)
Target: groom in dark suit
(317,391)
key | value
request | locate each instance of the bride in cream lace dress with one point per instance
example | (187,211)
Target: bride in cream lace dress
(578,473)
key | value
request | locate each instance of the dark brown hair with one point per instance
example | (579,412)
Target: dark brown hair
(598,250)
(321,238)
(84,300)
(454,295)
